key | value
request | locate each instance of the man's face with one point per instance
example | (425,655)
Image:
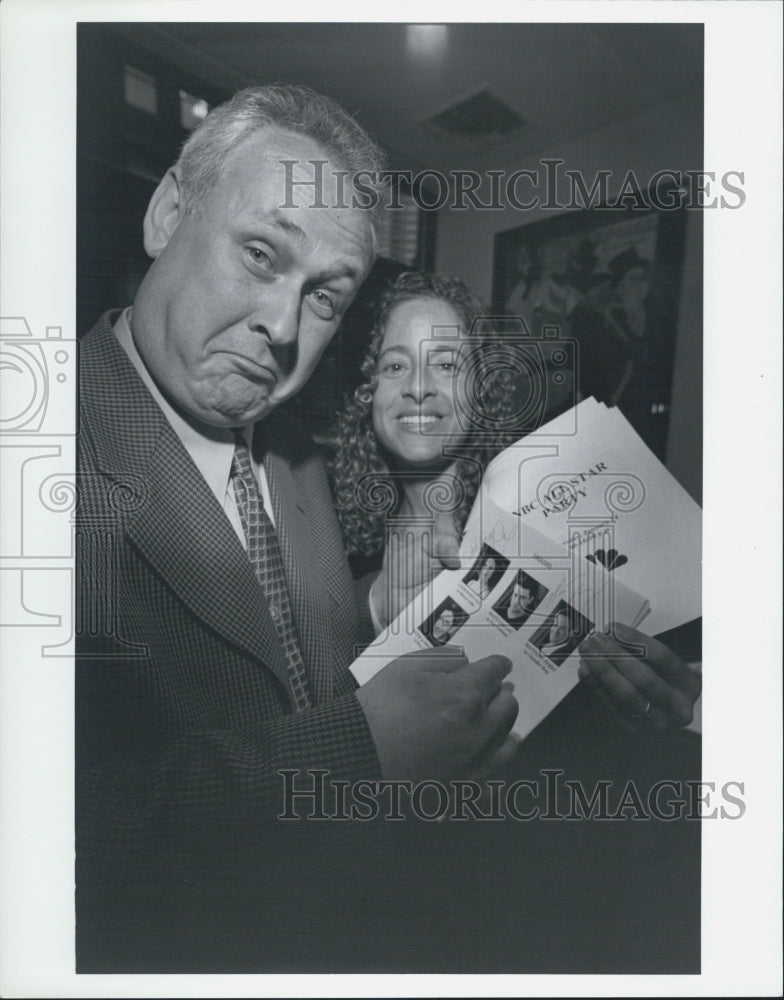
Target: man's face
(445,622)
(521,599)
(244,295)
(559,633)
(420,379)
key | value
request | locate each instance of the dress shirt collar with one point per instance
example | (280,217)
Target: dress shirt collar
(211,448)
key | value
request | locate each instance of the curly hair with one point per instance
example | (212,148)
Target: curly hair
(365,487)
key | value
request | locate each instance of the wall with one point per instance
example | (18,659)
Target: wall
(669,136)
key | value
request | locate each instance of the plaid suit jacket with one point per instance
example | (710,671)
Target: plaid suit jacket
(184,718)
(183,708)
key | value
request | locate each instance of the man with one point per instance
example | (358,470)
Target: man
(218,615)
(444,626)
(521,603)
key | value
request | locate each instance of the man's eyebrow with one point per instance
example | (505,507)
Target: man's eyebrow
(342,269)
(281,221)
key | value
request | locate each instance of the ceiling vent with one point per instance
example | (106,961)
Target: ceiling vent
(477,121)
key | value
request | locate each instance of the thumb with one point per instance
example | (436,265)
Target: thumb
(446,541)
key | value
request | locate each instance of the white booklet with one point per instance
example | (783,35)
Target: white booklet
(572,524)
(514,596)
(590,483)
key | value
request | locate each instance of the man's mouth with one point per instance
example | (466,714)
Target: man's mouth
(255,370)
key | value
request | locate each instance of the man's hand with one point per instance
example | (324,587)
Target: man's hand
(414,554)
(645,684)
(434,715)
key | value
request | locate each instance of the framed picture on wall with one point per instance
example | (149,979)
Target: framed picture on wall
(610,279)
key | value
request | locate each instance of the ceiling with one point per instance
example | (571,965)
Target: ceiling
(563,80)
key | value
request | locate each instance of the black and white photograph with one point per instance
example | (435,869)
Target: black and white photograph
(486,572)
(225,234)
(441,625)
(276,294)
(562,633)
(520,599)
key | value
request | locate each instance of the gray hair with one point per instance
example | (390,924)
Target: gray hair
(296,108)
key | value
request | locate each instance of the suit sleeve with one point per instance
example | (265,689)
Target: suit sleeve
(206,788)
(184,750)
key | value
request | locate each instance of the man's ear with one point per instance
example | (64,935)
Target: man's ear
(163,213)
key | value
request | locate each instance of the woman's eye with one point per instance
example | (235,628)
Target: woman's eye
(391,368)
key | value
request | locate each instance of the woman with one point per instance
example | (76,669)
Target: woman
(482,583)
(436,406)
(407,441)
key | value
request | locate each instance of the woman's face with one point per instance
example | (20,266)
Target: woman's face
(420,379)
(488,569)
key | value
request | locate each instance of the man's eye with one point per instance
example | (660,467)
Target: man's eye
(324,304)
(261,257)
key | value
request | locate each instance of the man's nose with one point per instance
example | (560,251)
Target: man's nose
(277,314)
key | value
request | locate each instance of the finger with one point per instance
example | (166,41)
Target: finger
(446,541)
(635,705)
(597,690)
(616,670)
(627,646)
(622,696)
(628,724)
(500,716)
(503,711)
(660,657)
(488,674)
(440,543)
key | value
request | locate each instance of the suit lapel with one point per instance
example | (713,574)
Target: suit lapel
(178,526)
(189,541)
(307,589)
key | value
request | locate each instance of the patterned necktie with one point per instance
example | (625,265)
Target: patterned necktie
(267,562)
